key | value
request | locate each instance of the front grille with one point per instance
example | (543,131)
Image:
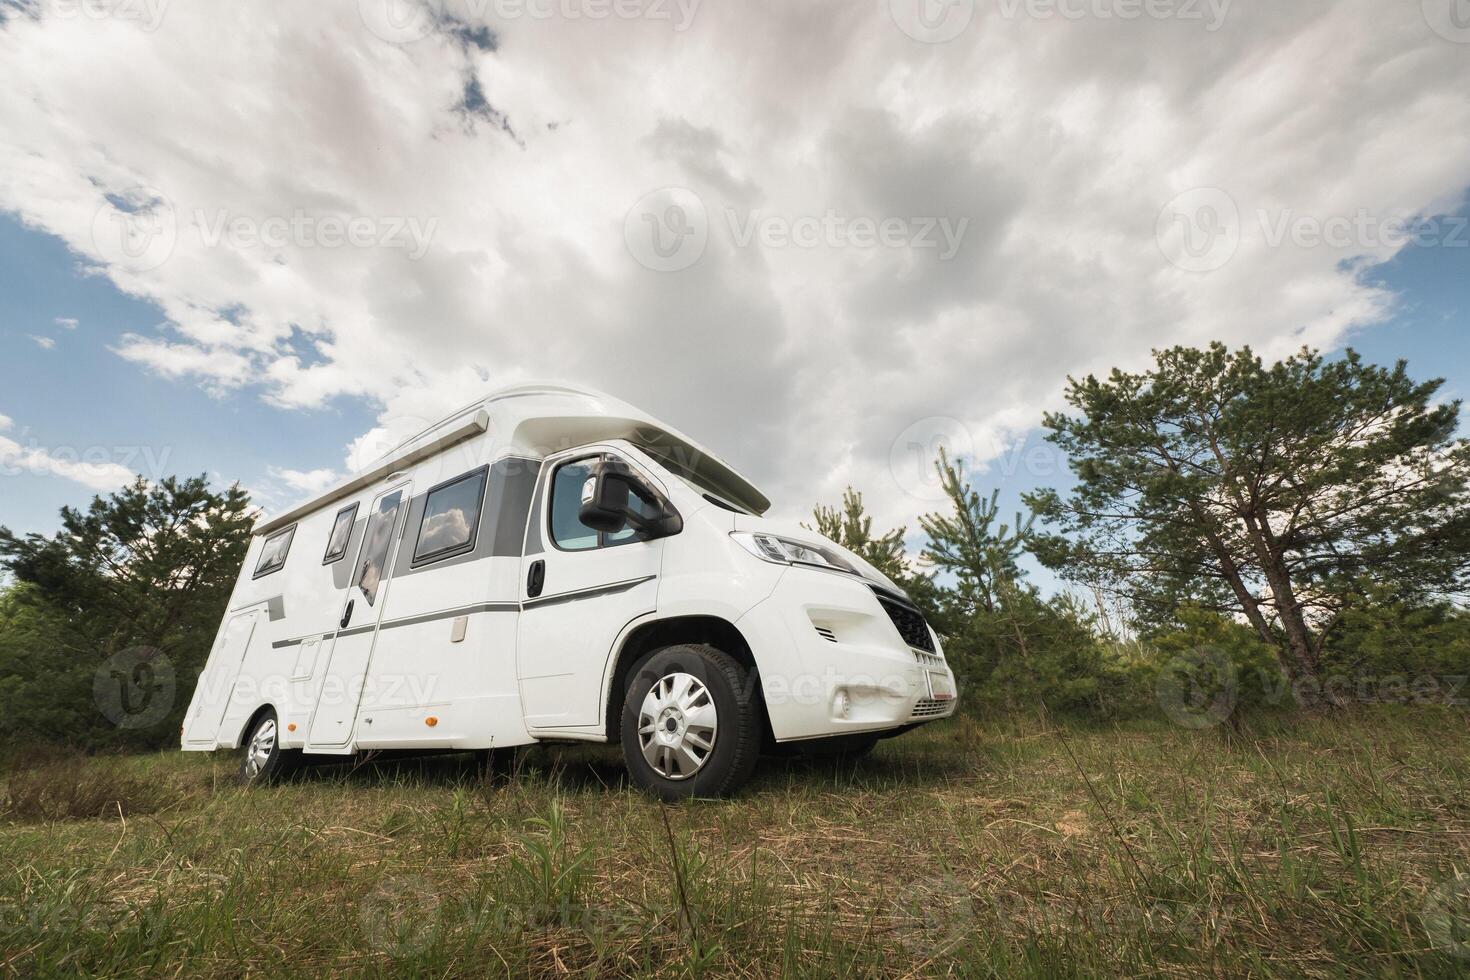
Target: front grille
(909,621)
(928,707)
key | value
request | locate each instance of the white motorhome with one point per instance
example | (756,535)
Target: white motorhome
(552,564)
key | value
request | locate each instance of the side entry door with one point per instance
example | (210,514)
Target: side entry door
(579,588)
(351,653)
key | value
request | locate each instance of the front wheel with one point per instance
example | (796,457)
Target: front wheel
(265,761)
(690,724)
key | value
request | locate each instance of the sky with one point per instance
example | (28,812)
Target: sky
(262,241)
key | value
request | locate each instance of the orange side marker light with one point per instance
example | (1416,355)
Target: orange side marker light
(431,721)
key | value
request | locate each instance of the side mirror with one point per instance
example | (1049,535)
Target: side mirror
(614,499)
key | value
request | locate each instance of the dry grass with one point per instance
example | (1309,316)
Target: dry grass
(1320,847)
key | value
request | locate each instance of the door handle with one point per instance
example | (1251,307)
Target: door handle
(347,614)
(536,578)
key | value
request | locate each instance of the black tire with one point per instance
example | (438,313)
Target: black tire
(264,761)
(839,748)
(735,740)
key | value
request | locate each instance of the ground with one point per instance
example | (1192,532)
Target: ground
(1329,846)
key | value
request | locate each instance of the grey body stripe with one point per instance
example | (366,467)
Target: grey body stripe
(586,593)
(453,613)
(407,621)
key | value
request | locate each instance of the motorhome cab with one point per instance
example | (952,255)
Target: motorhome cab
(551,564)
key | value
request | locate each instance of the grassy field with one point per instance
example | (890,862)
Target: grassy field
(1318,847)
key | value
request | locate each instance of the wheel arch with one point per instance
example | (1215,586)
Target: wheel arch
(653,635)
(250,723)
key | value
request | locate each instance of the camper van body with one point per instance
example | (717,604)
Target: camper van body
(447,596)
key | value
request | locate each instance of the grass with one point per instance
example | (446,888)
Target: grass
(1323,847)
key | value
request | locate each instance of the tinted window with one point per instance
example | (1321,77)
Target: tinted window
(451,515)
(273,552)
(567,529)
(375,545)
(341,534)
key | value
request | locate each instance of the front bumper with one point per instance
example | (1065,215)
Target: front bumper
(832,662)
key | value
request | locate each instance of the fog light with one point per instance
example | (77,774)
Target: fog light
(841,705)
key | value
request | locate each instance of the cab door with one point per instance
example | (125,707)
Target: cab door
(350,658)
(579,589)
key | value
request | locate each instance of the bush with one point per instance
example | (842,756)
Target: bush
(47,784)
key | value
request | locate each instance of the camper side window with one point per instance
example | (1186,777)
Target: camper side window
(341,534)
(451,518)
(376,542)
(567,529)
(273,552)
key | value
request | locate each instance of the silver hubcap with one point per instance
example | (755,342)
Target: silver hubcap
(676,726)
(262,744)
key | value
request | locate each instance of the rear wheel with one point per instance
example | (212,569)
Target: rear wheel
(265,761)
(690,726)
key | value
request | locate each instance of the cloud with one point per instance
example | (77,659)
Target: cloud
(45,343)
(90,468)
(791,342)
(65,322)
(308,483)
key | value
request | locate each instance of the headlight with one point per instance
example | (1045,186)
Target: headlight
(785,551)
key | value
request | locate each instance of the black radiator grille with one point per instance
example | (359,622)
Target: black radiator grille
(910,622)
